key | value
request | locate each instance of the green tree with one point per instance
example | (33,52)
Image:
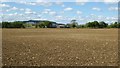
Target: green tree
(114,25)
(95,24)
(47,24)
(74,23)
(89,24)
(41,25)
(7,25)
(102,24)
(0,25)
(27,25)
(17,24)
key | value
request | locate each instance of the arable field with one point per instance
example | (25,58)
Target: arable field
(60,47)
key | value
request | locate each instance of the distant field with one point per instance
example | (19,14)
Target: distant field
(60,47)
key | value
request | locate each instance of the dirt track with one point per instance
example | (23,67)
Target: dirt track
(60,47)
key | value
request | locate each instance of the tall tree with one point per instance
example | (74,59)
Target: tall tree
(102,24)
(74,23)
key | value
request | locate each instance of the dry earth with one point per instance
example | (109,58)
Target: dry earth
(60,47)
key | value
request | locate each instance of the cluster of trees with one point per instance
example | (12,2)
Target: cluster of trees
(0,25)
(49,24)
(13,25)
(94,24)
(44,24)
(21,24)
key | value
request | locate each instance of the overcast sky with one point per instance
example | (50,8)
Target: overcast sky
(61,12)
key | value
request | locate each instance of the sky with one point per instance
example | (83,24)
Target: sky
(60,12)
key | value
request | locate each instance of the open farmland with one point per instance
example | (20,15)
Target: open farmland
(60,47)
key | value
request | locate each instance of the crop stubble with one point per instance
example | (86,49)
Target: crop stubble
(60,47)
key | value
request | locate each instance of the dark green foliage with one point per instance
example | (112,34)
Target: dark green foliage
(19,24)
(81,26)
(0,25)
(94,24)
(12,25)
(102,24)
(41,25)
(44,24)
(49,24)
(118,24)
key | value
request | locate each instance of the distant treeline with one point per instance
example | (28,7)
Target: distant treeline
(102,24)
(22,24)
(13,25)
(48,24)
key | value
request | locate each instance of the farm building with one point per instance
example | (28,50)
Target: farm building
(60,25)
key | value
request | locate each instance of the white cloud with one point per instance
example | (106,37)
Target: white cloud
(114,18)
(15,13)
(113,8)
(111,19)
(68,9)
(96,8)
(59,3)
(29,11)
(21,14)
(78,12)
(4,5)
(92,14)
(31,3)
(97,0)
(11,9)
(10,14)
(7,10)
(45,4)
(3,0)
(40,19)
(27,3)
(80,3)
(63,5)
(22,9)
(59,17)
(46,11)
(99,17)
(107,18)
(111,3)
(14,8)
(61,12)
(40,1)
(82,0)
(60,0)
(14,0)
(52,13)
(111,0)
